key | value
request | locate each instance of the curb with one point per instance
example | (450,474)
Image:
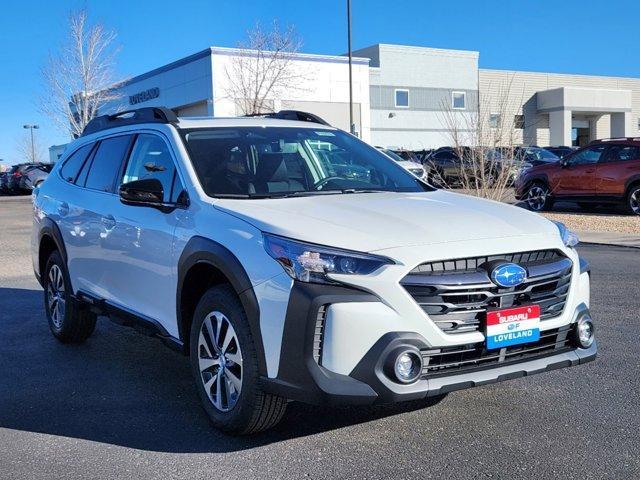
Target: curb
(600,244)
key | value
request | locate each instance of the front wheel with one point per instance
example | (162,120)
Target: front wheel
(225,366)
(633,200)
(538,197)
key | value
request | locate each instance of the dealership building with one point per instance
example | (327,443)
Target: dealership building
(406,97)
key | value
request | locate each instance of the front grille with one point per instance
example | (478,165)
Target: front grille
(318,335)
(463,358)
(457,293)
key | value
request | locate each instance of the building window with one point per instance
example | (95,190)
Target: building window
(494,120)
(458,100)
(402,98)
(518,122)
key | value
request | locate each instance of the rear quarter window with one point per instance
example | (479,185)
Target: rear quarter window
(72,165)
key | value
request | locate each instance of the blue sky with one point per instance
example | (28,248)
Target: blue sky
(571,36)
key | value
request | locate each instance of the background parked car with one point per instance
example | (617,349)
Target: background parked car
(413,167)
(33,175)
(24,177)
(560,151)
(6,179)
(605,171)
(407,155)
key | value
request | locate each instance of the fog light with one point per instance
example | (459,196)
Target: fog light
(585,332)
(408,366)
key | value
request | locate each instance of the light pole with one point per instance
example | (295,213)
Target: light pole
(352,126)
(33,149)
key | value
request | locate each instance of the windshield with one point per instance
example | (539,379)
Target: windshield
(258,162)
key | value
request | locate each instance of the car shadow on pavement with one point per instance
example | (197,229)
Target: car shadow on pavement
(125,389)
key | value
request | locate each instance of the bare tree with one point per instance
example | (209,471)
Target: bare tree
(80,77)
(263,69)
(28,152)
(485,140)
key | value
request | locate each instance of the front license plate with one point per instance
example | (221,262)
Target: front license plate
(513,326)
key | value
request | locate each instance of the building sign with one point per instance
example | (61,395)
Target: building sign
(144,96)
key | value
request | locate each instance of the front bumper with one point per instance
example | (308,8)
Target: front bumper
(301,375)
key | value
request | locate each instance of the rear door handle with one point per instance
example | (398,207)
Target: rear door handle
(108,221)
(63,209)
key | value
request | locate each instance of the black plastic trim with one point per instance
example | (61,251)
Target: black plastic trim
(535,177)
(50,228)
(584,265)
(299,376)
(129,318)
(137,116)
(203,250)
(630,181)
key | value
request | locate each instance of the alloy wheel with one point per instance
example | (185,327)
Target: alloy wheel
(220,361)
(537,197)
(634,201)
(56,298)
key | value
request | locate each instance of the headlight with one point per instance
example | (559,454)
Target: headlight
(569,238)
(311,263)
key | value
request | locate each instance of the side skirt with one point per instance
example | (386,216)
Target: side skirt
(128,318)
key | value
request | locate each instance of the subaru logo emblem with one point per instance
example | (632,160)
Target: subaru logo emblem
(508,275)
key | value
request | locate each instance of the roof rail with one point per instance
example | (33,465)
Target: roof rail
(292,115)
(131,117)
(618,139)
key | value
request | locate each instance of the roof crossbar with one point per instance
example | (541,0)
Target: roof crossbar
(131,117)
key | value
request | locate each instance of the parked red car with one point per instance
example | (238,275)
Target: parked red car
(605,171)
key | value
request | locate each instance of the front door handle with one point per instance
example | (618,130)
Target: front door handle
(108,221)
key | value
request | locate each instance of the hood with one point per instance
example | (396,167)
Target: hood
(376,221)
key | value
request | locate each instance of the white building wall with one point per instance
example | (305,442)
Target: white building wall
(430,75)
(518,90)
(185,84)
(323,89)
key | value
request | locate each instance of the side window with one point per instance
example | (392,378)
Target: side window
(106,163)
(622,153)
(150,158)
(587,156)
(73,164)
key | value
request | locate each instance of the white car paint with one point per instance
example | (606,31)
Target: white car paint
(138,269)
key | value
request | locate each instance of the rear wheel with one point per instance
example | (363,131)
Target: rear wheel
(68,321)
(633,200)
(538,197)
(225,366)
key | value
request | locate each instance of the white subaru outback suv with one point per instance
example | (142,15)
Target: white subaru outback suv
(292,261)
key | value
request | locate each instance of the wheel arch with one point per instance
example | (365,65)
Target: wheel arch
(49,240)
(634,180)
(538,178)
(203,264)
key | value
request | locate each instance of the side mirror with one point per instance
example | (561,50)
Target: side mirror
(149,192)
(564,162)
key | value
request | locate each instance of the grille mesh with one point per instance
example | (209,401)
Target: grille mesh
(454,360)
(456,294)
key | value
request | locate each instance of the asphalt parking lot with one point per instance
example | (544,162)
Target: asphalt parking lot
(123,406)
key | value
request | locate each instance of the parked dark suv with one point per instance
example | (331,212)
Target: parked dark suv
(605,171)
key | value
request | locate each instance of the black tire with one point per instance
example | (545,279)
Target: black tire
(633,199)
(68,321)
(250,410)
(538,197)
